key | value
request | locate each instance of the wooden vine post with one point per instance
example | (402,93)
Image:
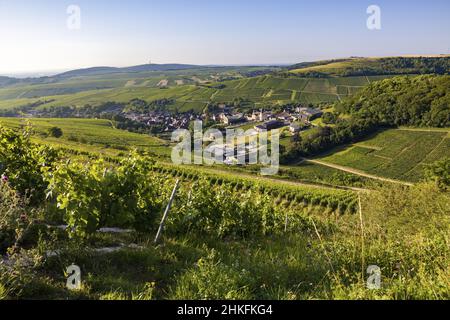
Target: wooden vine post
(166,213)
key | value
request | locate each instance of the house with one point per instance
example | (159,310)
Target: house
(260,115)
(233,119)
(260,128)
(294,128)
(283,116)
(270,125)
(308,114)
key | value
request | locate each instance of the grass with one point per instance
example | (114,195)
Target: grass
(334,67)
(90,135)
(406,236)
(396,154)
(257,91)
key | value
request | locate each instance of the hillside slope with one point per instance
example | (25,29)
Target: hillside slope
(374,66)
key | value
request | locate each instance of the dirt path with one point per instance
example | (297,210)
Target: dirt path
(443,130)
(357,172)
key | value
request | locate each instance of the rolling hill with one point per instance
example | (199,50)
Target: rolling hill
(262,91)
(140,68)
(193,87)
(374,66)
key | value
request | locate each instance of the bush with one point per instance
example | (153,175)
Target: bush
(439,173)
(223,211)
(14,217)
(55,132)
(95,195)
(25,162)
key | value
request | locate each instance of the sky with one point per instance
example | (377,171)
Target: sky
(35,37)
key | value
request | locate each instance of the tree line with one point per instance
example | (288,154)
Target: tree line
(422,101)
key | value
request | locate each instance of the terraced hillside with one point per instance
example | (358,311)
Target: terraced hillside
(255,91)
(192,87)
(400,154)
(90,135)
(439,64)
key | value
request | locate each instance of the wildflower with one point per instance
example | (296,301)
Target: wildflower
(5,178)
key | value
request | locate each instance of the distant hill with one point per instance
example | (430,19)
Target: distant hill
(97,71)
(373,66)
(141,68)
(6,81)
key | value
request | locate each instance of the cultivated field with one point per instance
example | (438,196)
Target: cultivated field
(257,91)
(396,154)
(90,135)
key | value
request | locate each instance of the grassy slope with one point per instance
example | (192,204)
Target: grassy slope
(397,154)
(337,67)
(91,135)
(263,90)
(332,67)
(405,235)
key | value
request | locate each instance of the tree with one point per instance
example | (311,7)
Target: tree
(329,118)
(55,132)
(439,173)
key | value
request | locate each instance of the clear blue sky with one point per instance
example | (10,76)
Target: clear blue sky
(34,36)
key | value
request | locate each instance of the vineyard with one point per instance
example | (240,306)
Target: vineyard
(329,198)
(227,236)
(397,154)
(262,90)
(90,135)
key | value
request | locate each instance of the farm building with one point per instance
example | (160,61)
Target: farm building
(233,119)
(294,128)
(270,125)
(308,114)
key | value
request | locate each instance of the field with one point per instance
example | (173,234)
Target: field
(258,91)
(90,135)
(230,234)
(396,154)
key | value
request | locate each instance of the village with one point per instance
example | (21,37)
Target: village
(297,118)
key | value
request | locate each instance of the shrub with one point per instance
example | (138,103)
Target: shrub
(24,163)
(439,173)
(14,217)
(55,132)
(94,195)
(221,211)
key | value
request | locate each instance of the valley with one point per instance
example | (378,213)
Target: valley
(362,180)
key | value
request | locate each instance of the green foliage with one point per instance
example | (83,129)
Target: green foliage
(213,280)
(223,211)
(24,162)
(3,293)
(324,138)
(372,67)
(385,103)
(414,101)
(13,216)
(93,135)
(298,195)
(94,195)
(396,154)
(329,118)
(439,173)
(55,132)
